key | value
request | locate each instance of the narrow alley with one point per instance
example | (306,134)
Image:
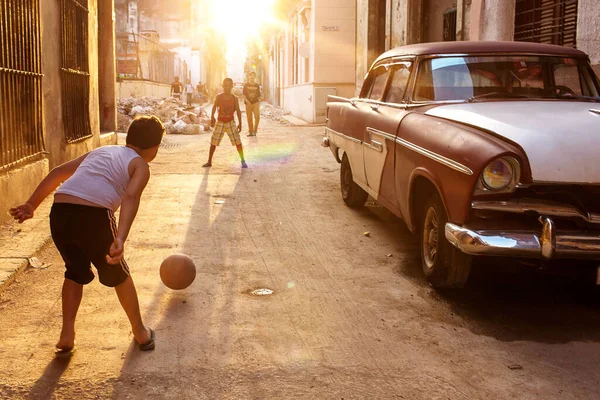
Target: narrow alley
(350,317)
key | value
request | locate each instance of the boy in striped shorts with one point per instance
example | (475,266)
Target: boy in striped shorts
(227,104)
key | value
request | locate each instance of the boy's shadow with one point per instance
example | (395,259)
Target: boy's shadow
(46,384)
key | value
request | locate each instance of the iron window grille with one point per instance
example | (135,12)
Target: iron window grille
(449,26)
(21,129)
(75,74)
(546,21)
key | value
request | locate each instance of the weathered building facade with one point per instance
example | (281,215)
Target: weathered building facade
(57,81)
(313,57)
(160,39)
(385,24)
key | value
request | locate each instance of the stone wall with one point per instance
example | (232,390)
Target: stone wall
(136,88)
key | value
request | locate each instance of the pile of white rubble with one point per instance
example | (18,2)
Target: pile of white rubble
(270,111)
(177,117)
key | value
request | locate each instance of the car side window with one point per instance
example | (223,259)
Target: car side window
(379,79)
(568,75)
(399,81)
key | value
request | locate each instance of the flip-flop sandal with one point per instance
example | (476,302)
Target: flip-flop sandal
(64,353)
(150,345)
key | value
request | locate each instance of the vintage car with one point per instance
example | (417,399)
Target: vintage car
(482,148)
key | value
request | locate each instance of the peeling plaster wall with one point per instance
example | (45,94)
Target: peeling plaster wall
(492,20)
(588,30)
(54,134)
(362,26)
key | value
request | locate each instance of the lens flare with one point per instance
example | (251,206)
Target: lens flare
(240,23)
(264,155)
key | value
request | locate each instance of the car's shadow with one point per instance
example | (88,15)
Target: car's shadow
(504,298)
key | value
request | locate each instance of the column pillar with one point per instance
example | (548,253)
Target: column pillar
(106,66)
(492,20)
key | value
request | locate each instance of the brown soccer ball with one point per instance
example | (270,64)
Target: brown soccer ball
(177,271)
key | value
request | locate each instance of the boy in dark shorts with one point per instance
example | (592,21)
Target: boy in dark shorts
(227,104)
(84,227)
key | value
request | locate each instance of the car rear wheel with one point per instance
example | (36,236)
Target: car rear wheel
(444,265)
(353,195)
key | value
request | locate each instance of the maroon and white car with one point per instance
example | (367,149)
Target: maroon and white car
(482,148)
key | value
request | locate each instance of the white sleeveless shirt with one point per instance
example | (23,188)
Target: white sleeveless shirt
(102,177)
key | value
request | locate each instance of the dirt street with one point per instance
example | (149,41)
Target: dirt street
(351,316)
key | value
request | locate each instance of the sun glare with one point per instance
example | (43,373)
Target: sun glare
(240,21)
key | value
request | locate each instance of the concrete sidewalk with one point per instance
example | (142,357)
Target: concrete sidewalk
(19,242)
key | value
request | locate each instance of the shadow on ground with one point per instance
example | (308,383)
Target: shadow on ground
(507,299)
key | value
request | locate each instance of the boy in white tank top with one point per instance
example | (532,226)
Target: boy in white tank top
(84,228)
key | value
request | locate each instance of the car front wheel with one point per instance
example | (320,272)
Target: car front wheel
(353,195)
(444,265)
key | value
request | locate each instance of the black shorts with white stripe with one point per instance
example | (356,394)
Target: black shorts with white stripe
(83,235)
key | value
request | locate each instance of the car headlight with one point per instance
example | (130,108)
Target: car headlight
(498,174)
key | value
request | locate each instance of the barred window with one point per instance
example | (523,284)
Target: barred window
(21,132)
(546,21)
(75,74)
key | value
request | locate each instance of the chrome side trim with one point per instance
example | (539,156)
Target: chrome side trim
(374,145)
(594,111)
(436,157)
(541,207)
(373,131)
(547,244)
(329,130)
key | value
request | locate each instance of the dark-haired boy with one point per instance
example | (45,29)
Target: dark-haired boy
(227,104)
(252,98)
(83,224)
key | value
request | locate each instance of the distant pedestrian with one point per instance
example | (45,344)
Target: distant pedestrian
(200,90)
(84,227)
(227,104)
(189,92)
(252,99)
(176,88)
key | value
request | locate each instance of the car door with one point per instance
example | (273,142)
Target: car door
(354,115)
(385,115)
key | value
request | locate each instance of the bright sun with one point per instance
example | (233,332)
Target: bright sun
(240,21)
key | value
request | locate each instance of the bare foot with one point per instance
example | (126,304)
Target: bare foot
(207,165)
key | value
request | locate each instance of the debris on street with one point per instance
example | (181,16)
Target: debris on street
(272,112)
(35,262)
(177,117)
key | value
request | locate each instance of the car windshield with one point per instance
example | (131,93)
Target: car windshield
(507,76)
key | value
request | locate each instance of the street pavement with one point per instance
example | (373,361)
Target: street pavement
(350,316)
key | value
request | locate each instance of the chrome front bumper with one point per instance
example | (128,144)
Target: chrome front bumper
(547,243)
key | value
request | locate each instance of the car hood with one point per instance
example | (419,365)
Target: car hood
(561,138)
